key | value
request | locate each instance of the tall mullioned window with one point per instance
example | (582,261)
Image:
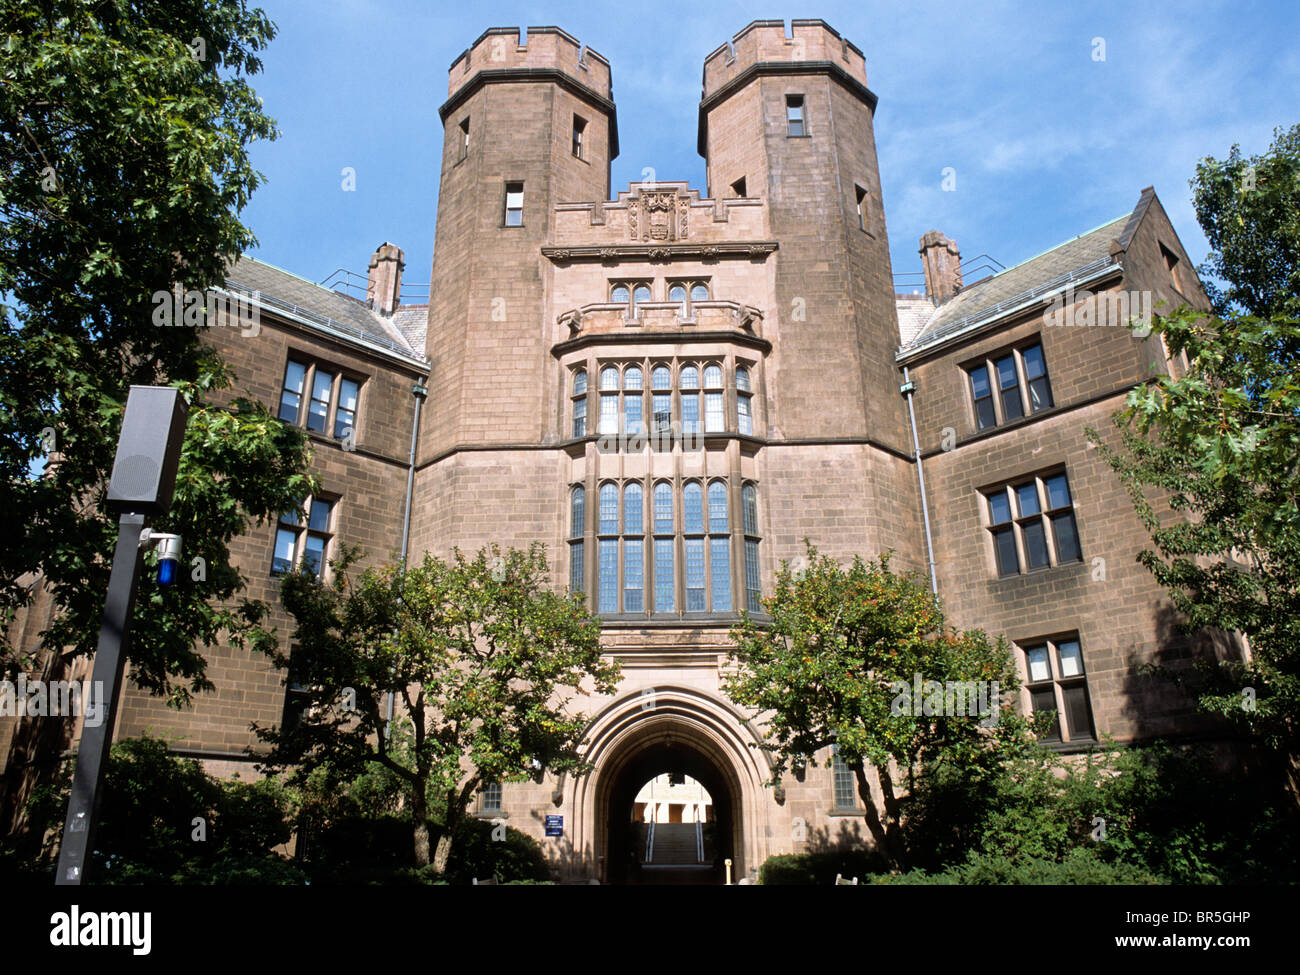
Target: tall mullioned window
(794,115)
(1008,385)
(1032,524)
(1057,683)
(666,549)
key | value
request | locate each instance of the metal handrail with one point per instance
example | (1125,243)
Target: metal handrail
(1020,298)
(650,843)
(699,842)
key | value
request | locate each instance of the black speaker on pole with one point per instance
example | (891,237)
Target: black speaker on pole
(148,451)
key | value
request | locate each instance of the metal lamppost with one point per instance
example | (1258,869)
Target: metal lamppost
(144,477)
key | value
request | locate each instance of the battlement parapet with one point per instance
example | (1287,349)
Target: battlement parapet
(540,48)
(766,41)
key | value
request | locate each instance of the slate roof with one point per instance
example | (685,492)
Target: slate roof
(332,309)
(413,322)
(979,301)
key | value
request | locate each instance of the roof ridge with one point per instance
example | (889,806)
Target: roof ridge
(1055,247)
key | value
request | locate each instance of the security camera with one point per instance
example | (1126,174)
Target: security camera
(169,553)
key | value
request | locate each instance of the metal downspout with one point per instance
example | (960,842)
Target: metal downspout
(907,389)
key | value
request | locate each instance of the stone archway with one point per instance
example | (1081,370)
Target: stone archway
(671,729)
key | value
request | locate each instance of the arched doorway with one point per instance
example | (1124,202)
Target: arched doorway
(682,732)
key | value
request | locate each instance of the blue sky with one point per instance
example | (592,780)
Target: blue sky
(1046,142)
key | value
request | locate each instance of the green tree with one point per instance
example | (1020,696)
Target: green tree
(838,663)
(1210,457)
(124,126)
(482,656)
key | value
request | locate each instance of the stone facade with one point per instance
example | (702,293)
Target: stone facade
(555,330)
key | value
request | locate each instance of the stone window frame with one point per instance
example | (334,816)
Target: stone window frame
(506,208)
(578,143)
(862,196)
(1025,389)
(311,366)
(632,286)
(1017,523)
(463,126)
(799,100)
(1065,688)
(729,389)
(689,287)
(289,523)
(491,799)
(610,526)
(840,771)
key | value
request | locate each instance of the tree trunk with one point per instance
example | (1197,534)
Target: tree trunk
(886,839)
(442,853)
(420,826)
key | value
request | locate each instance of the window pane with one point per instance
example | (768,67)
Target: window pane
(515,195)
(633,516)
(609,413)
(580,417)
(578,512)
(633,576)
(743,414)
(632,413)
(749,501)
(663,410)
(609,378)
(283,558)
(713,418)
(1034,365)
(1070,658)
(321,387)
(742,379)
(693,507)
(979,382)
(699,292)
(641,293)
(984,413)
(1067,538)
(618,294)
(717,507)
(1038,666)
(607,571)
(1004,544)
(314,554)
(712,377)
(1044,699)
(690,413)
(579,382)
(295,374)
(1058,492)
(492,797)
(844,779)
(677,293)
(1035,544)
(608,510)
(663,508)
(661,378)
(695,575)
(1027,498)
(633,378)
(1078,716)
(720,563)
(348,389)
(999,508)
(576,581)
(1040,394)
(344,423)
(690,377)
(1011,406)
(319,518)
(663,575)
(751,576)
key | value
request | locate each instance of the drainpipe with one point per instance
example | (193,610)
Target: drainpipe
(907,389)
(419,391)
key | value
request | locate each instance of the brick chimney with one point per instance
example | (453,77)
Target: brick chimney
(941,262)
(384,284)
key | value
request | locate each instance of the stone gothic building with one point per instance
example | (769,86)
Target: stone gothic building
(672,387)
